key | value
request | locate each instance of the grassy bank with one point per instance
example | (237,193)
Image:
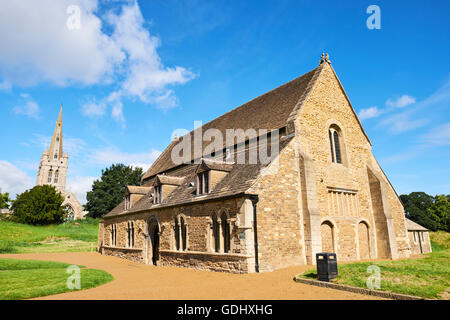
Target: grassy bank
(24,279)
(427,277)
(22,238)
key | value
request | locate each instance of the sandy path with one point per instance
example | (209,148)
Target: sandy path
(138,281)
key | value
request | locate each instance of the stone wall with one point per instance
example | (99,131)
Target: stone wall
(199,251)
(280,234)
(418,239)
(327,106)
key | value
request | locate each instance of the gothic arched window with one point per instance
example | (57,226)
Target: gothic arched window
(216,233)
(183,234)
(50,172)
(177,234)
(56,176)
(336,144)
(225,232)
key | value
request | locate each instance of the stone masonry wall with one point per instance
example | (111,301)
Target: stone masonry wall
(325,106)
(199,250)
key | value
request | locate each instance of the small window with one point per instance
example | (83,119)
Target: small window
(203,182)
(128,202)
(113,235)
(50,172)
(414,234)
(130,233)
(157,196)
(335,138)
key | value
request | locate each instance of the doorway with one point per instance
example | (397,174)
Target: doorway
(153,232)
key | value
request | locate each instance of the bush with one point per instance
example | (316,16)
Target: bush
(40,205)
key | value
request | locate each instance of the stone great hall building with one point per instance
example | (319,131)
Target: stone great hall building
(323,192)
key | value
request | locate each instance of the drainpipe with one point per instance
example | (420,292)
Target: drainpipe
(255,232)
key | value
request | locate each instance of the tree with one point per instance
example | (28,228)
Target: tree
(431,212)
(109,190)
(40,205)
(4,200)
(440,212)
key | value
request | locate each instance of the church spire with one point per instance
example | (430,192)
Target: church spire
(56,145)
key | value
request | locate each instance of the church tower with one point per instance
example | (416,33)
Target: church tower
(53,171)
(53,164)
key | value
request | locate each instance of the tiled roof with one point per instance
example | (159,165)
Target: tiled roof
(269,111)
(411,225)
(237,181)
(138,189)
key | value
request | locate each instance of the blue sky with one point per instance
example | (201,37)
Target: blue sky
(132,72)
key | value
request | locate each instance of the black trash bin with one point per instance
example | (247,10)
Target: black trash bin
(326,266)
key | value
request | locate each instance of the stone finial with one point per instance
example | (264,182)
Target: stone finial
(325,58)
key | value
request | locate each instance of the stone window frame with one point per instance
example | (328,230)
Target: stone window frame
(414,236)
(335,232)
(130,234)
(157,194)
(333,126)
(128,201)
(113,235)
(56,178)
(50,175)
(180,243)
(217,217)
(203,182)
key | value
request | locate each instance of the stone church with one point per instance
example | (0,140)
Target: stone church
(323,192)
(53,170)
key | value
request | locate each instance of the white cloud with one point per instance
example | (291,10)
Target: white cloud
(402,122)
(109,156)
(438,136)
(368,113)
(29,107)
(13,180)
(93,109)
(80,186)
(43,48)
(401,102)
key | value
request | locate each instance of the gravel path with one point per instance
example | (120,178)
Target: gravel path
(138,281)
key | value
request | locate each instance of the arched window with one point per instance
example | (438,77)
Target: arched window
(177,234)
(50,172)
(336,143)
(113,235)
(225,233)
(180,233)
(130,233)
(56,176)
(183,234)
(216,233)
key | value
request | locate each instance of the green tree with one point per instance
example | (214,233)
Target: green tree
(440,212)
(109,190)
(40,205)
(4,200)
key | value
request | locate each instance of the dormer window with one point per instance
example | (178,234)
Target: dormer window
(157,195)
(128,202)
(203,182)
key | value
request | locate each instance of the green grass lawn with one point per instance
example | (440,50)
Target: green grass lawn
(427,277)
(24,279)
(23,238)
